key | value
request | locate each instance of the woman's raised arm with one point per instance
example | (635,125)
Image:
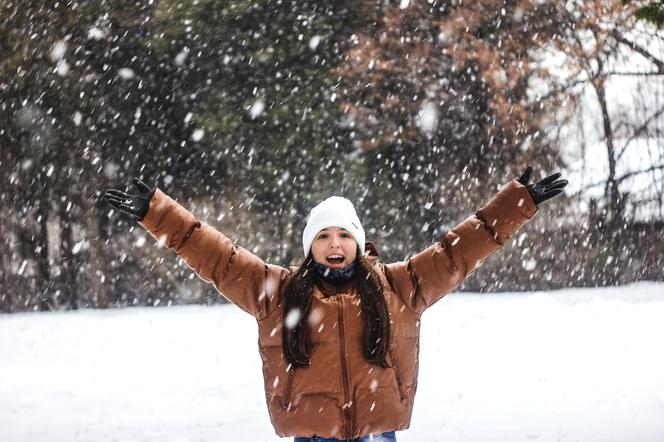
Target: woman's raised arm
(239,275)
(428,276)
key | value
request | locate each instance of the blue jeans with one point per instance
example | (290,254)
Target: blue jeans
(385,437)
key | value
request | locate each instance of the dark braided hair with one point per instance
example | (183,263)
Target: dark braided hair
(297,301)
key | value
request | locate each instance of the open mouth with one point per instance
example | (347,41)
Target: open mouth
(335,259)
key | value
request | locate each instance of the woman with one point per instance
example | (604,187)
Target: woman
(338,335)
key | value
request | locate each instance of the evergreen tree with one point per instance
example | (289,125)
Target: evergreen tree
(82,108)
(259,78)
(652,11)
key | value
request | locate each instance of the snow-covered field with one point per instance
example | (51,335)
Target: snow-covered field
(571,365)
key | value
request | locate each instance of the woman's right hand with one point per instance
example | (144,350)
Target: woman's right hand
(544,189)
(133,204)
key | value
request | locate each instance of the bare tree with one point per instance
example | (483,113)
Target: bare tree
(601,40)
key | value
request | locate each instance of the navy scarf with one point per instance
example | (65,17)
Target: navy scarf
(335,275)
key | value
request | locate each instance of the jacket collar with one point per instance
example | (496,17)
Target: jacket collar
(329,289)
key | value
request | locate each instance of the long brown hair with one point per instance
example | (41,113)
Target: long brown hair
(297,301)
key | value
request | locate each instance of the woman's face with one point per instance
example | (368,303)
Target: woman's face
(334,247)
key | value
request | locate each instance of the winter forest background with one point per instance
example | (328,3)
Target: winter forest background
(250,112)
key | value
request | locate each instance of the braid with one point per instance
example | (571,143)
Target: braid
(375,313)
(297,304)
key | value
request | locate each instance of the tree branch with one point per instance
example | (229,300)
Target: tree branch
(635,74)
(618,180)
(636,48)
(631,174)
(638,131)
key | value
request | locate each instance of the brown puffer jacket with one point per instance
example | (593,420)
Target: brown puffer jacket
(340,395)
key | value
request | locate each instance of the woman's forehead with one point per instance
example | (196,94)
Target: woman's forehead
(332,229)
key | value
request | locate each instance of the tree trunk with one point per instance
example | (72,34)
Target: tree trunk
(44,282)
(6,298)
(68,275)
(96,269)
(611,190)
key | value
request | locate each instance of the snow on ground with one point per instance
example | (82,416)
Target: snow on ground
(571,365)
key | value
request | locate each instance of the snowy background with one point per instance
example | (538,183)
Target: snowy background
(248,114)
(571,365)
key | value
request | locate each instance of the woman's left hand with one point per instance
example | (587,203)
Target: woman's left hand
(544,189)
(136,205)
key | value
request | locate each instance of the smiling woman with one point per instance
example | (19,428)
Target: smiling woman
(338,334)
(334,247)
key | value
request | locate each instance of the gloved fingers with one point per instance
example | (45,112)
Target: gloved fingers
(115,192)
(116,199)
(550,194)
(116,203)
(142,187)
(129,209)
(112,202)
(122,206)
(557,184)
(112,199)
(549,179)
(525,176)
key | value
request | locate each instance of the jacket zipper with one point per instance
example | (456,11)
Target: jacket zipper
(396,373)
(348,426)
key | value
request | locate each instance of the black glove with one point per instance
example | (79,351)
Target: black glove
(135,205)
(544,189)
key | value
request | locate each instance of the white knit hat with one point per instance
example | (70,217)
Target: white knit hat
(336,211)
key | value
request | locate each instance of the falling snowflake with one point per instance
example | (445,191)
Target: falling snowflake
(197,135)
(256,109)
(77,118)
(58,51)
(529,265)
(315,41)
(292,318)
(94,33)
(126,73)
(181,57)
(427,117)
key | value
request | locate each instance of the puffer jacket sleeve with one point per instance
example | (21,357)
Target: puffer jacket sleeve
(240,276)
(428,276)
